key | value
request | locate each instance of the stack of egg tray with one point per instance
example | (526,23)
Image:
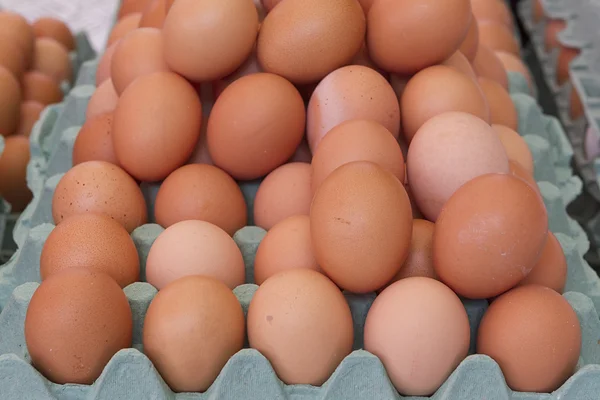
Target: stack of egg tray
(248,375)
(8,220)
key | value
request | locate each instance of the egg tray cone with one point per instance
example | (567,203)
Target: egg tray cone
(248,375)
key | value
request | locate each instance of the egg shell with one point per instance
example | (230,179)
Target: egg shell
(304,40)
(471,42)
(123,26)
(104,65)
(30,113)
(516,169)
(55,29)
(361,224)
(15,28)
(10,102)
(551,30)
(551,268)
(76,321)
(492,10)
(99,187)
(52,58)
(203,192)
(516,147)
(250,66)
(498,37)
(299,320)
(94,141)
(41,88)
(565,56)
(104,100)
(502,108)
(461,64)
(154,14)
(487,64)
(351,92)
(11,58)
(91,241)
(13,170)
(514,63)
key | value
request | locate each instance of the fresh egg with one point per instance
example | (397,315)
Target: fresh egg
(30,114)
(351,92)
(13,170)
(54,29)
(194,247)
(273,202)
(202,192)
(91,241)
(94,141)
(210,39)
(420,42)
(514,63)
(534,335)
(149,111)
(304,40)
(565,56)
(461,64)
(487,64)
(11,58)
(154,14)
(502,108)
(105,63)
(449,150)
(551,268)
(515,146)
(552,28)
(489,235)
(192,328)
(300,321)
(10,102)
(356,140)
(41,88)
(498,37)
(420,331)
(99,187)
(358,208)
(14,28)
(436,90)
(492,10)
(104,100)
(286,245)
(75,323)
(250,66)
(268,125)
(125,25)
(470,44)
(363,58)
(52,58)
(519,171)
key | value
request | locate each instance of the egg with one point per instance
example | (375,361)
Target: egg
(41,88)
(250,66)
(519,171)
(30,114)
(208,40)
(148,112)
(304,40)
(552,28)
(534,335)
(492,10)
(514,63)
(302,154)
(105,63)
(487,64)
(10,102)
(286,245)
(128,7)
(420,331)
(449,150)
(471,42)
(565,56)
(94,141)
(270,4)
(436,90)
(351,92)
(300,321)
(91,241)
(11,58)
(273,202)
(461,64)
(489,235)
(76,321)
(420,21)
(502,108)
(99,187)
(52,58)
(14,28)
(358,208)
(104,100)
(54,29)
(123,26)
(356,140)
(498,37)
(516,147)
(551,268)
(205,328)
(154,14)
(202,192)
(268,127)
(13,170)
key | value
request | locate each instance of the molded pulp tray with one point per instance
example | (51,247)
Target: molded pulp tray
(248,375)
(8,220)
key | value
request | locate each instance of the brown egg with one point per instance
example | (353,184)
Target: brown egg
(154,14)
(551,268)
(76,321)
(210,39)
(94,141)
(291,320)
(363,58)
(489,235)
(250,66)
(565,56)
(421,22)
(91,241)
(14,28)
(205,329)
(128,7)
(436,90)
(516,147)
(30,114)
(366,5)
(13,170)
(459,62)
(10,102)
(420,346)
(11,58)
(448,151)
(304,40)
(519,171)
(149,111)
(356,140)
(54,29)
(41,88)
(52,58)
(358,208)
(502,108)
(552,29)
(104,100)
(492,10)
(287,245)
(352,92)
(283,193)
(576,109)
(514,63)
(269,125)
(125,25)
(470,44)
(139,53)
(103,188)
(104,65)
(487,64)
(203,192)
(498,37)
(534,335)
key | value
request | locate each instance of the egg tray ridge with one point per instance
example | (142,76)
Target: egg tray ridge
(8,220)
(248,375)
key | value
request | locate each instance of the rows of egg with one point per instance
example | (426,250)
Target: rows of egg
(388,160)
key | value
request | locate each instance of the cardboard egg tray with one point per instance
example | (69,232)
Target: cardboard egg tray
(248,375)
(50,116)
